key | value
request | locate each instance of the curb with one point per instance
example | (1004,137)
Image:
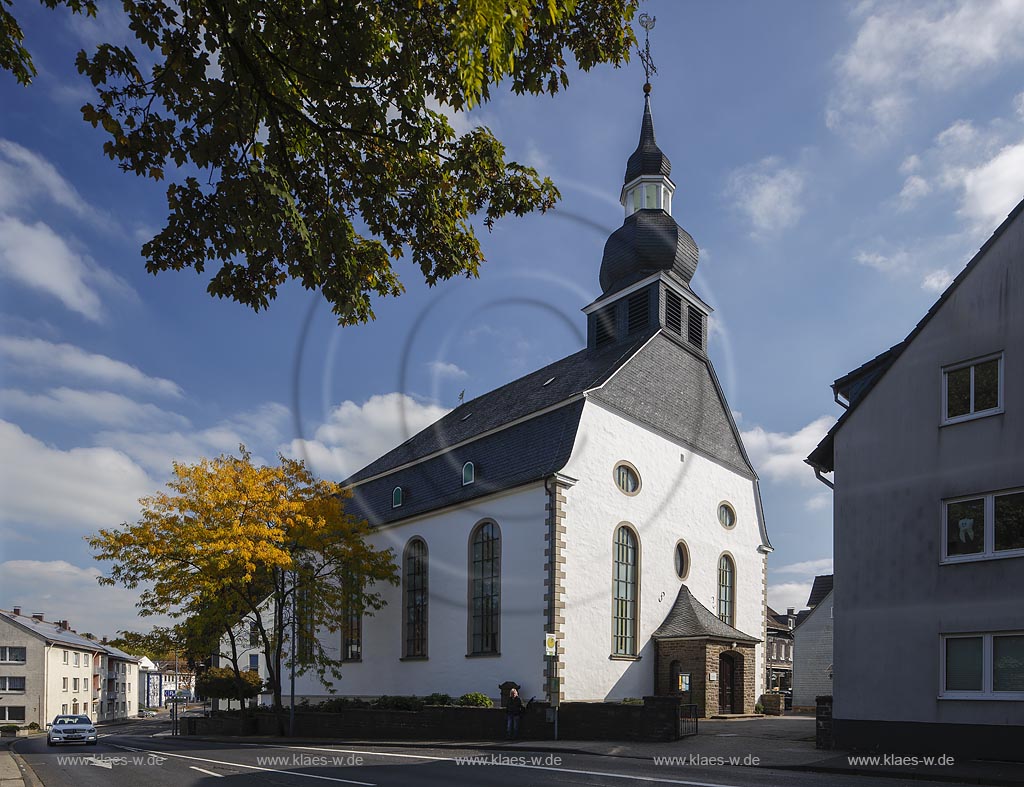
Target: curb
(28,776)
(963,778)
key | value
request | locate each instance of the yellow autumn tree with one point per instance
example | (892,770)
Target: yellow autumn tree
(272,543)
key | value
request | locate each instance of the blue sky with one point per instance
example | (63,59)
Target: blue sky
(837,164)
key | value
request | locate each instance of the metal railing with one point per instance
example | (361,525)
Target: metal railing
(687,720)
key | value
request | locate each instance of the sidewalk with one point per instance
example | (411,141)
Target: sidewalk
(782,743)
(10,773)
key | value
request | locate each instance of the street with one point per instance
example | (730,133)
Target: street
(143,753)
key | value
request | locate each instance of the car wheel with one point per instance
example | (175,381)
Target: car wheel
(50,743)
(93,743)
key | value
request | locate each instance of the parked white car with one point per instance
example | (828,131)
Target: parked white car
(71,729)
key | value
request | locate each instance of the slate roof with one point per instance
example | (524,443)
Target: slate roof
(860,382)
(647,159)
(822,587)
(525,431)
(671,387)
(648,241)
(52,632)
(689,618)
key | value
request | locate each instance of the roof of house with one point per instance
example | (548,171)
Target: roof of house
(689,618)
(822,587)
(776,621)
(856,385)
(52,631)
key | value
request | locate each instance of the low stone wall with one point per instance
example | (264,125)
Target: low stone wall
(823,738)
(773,704)
(655,720)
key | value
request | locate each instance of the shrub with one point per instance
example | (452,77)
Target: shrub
(475,699)
(339,704)
(632,701)
(399,703)
(9,728)
(759,708)
(438,699)
(33,725)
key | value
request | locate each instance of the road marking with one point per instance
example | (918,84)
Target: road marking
(101,763)
(508,753)
(208,773)
(253,767)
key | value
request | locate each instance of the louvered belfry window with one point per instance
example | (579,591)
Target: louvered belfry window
(624,593)
(695,328)
(638,311)
(604,325)
(674,312)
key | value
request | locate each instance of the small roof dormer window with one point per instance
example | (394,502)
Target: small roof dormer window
(468,474)
(397,497)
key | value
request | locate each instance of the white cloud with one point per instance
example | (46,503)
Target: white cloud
(1018,105)
(768,193)
(63,591)
(937,281)
(25,175)
(820,502)
(354,435)
(443,369)
(780,456)
(101,407)
(75,491)
(258,429)
(38,357)
(904,49)
(807,567)
(38,258)
(896,261)
(783,595)
(914,189)
(992,189)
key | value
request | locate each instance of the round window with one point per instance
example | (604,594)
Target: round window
(726,515)
(682,560)
(627,478)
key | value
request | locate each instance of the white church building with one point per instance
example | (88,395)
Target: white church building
(605,499)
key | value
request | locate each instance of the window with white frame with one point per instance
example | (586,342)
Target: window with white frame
(12,713)
(12,655)
(254,662)
(78,659)
(983,526)
(74,684)
(12,683)
(64,684)
(983,666)
(972,389)
(65,657)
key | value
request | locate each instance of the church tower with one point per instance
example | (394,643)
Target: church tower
(649,261)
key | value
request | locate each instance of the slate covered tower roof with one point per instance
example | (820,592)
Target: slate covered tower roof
(647,159)
(649,240)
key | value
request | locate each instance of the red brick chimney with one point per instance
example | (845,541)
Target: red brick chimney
(16,610)
(37,616)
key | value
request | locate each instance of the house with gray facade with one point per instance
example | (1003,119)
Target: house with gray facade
(812,646)
(928,471)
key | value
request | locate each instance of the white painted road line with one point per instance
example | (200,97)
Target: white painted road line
(483,760)
(252,767)
(208,773)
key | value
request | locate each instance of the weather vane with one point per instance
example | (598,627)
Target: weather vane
(647,23)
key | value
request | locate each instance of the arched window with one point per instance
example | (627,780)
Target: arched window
(485,589)
(726,590)
(625,586)
(416,598)
(468,474)
(396,497)
(627,479)
(682,559)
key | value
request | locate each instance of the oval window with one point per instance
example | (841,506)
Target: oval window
(627,478)
(726,515)
(682,558)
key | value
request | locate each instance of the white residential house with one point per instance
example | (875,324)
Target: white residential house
(929,523)
(47,669)
(606,499)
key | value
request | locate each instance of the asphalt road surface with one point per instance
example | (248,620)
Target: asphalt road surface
(143,753)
